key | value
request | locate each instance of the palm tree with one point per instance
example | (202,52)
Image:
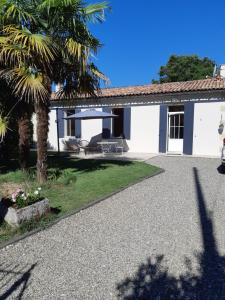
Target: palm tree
(44,41)
(23,58)
(22,110)
(25,111)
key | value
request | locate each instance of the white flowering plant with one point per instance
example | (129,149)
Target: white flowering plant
(21,198)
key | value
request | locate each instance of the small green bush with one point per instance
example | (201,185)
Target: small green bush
(67,177)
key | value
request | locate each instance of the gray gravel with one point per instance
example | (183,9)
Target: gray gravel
(87,256)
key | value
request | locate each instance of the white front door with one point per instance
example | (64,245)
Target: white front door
(175,132)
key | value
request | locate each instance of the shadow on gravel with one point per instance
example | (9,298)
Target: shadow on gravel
(221,169)
(153,281)
(14,280)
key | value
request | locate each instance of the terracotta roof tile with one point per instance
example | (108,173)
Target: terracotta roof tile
(164,88)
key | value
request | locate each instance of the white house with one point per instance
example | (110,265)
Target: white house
(180,117)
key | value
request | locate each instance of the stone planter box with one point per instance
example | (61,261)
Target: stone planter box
(15,217)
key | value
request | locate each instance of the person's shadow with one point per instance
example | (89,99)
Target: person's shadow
(221,169)
(152,281)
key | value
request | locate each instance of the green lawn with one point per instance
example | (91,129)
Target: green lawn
(74,183)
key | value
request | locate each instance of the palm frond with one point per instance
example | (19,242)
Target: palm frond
(98,73)
(4,122)
(27,83)
(14,54)
(39,44)
(59,47)
(80,85)
(96,12)
(76,49)
(18,14)
(48,4)
(3,4)
(83,35)
(78,52)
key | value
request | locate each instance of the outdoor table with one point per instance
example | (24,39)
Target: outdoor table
(107,146)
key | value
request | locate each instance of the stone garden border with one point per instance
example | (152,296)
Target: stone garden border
(15,216)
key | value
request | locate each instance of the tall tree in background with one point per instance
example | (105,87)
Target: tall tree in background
(45,41)
(184,68)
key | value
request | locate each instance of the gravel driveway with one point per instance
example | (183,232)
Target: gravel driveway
(160,239)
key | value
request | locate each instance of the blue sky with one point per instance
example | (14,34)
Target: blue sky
(139,36)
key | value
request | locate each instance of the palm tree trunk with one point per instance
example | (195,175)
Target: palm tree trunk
(42,111)
(24,129)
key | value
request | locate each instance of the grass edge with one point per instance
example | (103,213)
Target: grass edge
(75,211)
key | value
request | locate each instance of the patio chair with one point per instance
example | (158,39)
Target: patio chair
(120,146)
(73,147)
(87,147)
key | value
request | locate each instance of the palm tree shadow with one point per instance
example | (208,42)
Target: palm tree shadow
(212,265)
(153,281)
(14,279)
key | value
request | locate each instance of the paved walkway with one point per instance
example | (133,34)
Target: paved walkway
(122,246)
(116,156)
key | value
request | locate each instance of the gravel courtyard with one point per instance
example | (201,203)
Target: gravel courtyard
(160,239)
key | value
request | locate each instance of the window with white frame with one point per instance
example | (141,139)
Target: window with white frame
(70,124)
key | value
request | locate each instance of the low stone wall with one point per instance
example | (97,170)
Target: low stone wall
(15,217)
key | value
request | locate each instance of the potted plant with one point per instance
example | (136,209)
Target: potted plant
(23,206)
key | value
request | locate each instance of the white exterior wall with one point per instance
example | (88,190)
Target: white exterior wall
(62,145)
(207,118)
(52,135)
(144,129)
(34,121)
(91,128)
